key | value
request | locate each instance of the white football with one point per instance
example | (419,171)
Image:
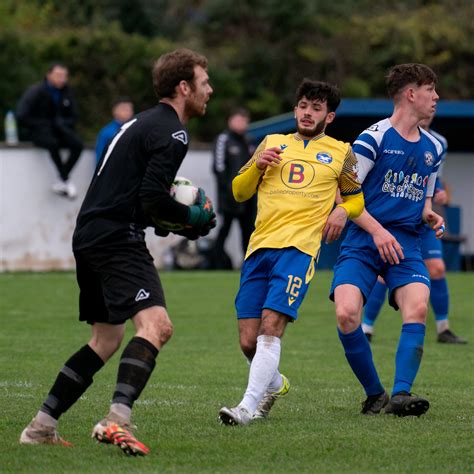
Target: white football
(183,191)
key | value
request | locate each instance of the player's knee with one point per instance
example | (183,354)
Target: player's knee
(159,332)
(273,323)
(347,316)
(248,347)
(165,332)
(436,269)
(154,325)
(416,313)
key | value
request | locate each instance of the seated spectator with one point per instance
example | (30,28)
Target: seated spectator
(122,111)
(47,112)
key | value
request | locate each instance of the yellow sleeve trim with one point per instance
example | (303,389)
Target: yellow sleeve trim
(244,185)
(353,205)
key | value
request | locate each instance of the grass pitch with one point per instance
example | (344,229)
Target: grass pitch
(316,428)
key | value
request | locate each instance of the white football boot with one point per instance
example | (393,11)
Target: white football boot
(235,416)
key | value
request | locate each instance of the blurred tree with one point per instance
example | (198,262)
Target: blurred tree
(259,50)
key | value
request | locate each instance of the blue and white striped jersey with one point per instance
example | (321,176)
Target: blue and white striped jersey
(444,144)
(396,175)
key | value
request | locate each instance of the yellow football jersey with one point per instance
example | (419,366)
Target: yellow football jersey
(296,196)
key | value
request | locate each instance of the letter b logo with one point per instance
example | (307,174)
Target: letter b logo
(297,174)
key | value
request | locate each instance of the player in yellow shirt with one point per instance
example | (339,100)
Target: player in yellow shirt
(296,177)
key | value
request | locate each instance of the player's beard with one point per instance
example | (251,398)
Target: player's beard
(312,132)
(194,107)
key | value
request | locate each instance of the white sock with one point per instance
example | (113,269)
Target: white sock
(442,325)
(263,368)
(367,328)
(276,382)
(46,420)
(122,411)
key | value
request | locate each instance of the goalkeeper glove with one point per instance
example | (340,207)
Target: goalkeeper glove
(201,213)
(193,233)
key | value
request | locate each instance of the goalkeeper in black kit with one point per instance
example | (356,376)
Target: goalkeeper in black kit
(115,271)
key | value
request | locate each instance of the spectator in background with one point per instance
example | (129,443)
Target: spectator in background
(231,152)
(47,112)
(122,111)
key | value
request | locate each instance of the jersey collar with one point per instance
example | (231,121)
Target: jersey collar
(317,137)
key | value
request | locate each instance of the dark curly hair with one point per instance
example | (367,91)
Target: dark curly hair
(318,90)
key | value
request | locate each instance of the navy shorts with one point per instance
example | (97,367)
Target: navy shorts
(116,282)
(361,266)
(275,279)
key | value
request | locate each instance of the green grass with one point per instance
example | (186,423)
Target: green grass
(316,428)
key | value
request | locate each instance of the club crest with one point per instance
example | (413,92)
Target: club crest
(429,160)
(324,157)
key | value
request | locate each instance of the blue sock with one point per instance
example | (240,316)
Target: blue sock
(374,303)
(408,358)
(439,298)
(359,356)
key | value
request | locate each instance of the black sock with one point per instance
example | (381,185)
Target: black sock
(136,365)
(72,381)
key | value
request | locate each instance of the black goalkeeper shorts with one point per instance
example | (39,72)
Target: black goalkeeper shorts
(116,282)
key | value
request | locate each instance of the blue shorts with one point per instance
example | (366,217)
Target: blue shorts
(361,266)
(275,279)
(431,247)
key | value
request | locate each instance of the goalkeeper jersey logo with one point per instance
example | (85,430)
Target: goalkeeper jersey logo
(182,136)
(142,295)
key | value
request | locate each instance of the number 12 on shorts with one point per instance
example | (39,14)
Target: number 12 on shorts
(293,287)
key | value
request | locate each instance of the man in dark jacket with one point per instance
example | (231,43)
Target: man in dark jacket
(47,112)
(231,152)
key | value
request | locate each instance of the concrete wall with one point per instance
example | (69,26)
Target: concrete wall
(36,225)
(458,173)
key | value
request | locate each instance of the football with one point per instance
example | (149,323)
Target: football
(184,192)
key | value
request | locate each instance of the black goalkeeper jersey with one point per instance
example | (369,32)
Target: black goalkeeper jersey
(133,179)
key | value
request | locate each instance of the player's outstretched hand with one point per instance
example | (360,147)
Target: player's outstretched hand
(334,225)
(269,157)
(389,249)
(435,221)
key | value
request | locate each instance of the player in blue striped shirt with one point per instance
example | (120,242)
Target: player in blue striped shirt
(432,252)
(397,166)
